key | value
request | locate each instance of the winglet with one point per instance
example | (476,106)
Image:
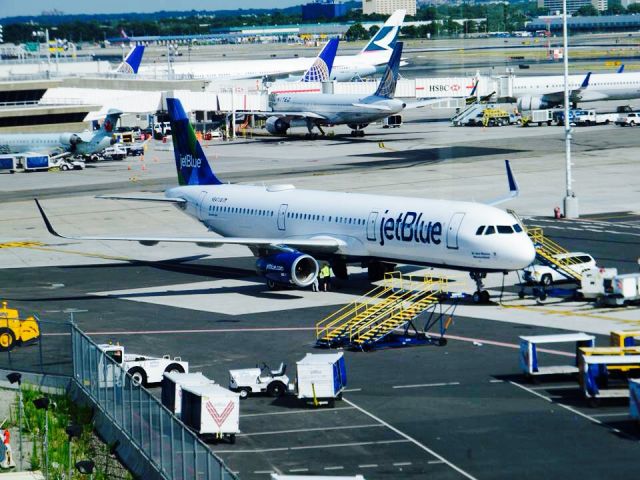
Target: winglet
(621,69)
(585,82)
(514,190)
(46,220)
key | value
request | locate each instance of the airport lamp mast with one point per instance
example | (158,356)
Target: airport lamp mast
(570,200)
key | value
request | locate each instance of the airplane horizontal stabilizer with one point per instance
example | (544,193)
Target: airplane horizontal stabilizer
(142,199)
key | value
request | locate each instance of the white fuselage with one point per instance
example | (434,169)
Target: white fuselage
(338,108)
(398,229)
(345,67)
(53,143)
(606,86)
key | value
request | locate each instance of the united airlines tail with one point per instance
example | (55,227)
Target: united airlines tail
(191,163)
(387,36)
(320,71)
(132,61)
(387,86)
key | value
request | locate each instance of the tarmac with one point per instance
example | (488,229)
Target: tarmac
(463,410)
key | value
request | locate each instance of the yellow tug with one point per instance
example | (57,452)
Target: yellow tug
(16,331)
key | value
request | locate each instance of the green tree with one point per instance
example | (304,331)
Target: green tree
(587,11)
(356,32)
(634,8)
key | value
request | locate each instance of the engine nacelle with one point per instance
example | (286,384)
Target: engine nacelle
(70,139)
(277,126)
(291,267)
(528,103)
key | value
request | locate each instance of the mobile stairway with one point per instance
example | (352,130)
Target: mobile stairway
(386,315)
(551,254)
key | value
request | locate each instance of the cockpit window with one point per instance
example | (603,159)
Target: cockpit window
(517,228)
(505,229)
(490,230)
(480,230)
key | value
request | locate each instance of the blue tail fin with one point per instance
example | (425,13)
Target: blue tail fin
(191,163)
(387,36)
(132,61)
(621,69)
(320,71)
(585,82)
(387,86)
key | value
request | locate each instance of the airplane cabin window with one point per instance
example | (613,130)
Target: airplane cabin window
(480,230)
(490,230)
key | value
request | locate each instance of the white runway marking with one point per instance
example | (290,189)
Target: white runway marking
(368,465)
(402,464)
(419,385)
(303,430)
(337,467)
(313,447)
(298,470)
(294,411)
(412,440)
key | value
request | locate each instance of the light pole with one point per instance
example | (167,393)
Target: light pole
(16,377)
(570,199)
(42,403)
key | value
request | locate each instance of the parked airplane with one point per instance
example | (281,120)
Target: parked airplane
(131,63)
(538,92)
(320,70)
(376,52)
(289,230)
(62,144)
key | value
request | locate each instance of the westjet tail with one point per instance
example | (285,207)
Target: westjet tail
(289,230)
(132,61)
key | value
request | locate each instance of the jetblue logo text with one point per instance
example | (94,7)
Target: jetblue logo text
(409,227)
(190,161)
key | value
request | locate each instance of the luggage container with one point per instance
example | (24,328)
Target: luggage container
(321,378)
(172,384)
(529,352)
(634,399)
(596,381)
(592,281)
(587,351)
(8,163)
(33,163)
(624,338)
(622,289)
(211,411)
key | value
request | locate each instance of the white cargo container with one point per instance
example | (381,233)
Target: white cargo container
(321,378)
(541,116)
(211,411)
(172,384)
(592,281)
(623,289)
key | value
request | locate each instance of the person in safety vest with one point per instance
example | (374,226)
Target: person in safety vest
(325,277)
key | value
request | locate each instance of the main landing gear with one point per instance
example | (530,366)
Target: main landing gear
(357,130)
(480,295)
(310,125)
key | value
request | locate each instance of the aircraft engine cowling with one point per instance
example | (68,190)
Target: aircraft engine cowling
(529,102)
(70,139)
(277,126)
(288,268)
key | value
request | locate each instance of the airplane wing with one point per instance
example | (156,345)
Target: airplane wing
(558,97)
(267,113)
(143,199)
(318,244)
(423,103)
(514,190)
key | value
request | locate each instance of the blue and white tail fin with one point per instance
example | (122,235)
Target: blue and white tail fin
(191,163)
(621,69)
(132,61)
(387,86)
(385,38)
(320,71)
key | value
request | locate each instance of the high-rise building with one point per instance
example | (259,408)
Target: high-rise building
(573,6)
(387,7)
(323,9)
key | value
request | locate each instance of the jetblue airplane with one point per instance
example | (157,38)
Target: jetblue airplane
(289,230)
(346,67)
(132,61)
(62,144)
(540,92)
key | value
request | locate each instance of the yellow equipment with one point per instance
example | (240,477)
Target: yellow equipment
(611,351)
(624,338)
(16,331)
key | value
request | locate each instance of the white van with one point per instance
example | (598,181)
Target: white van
(545,275)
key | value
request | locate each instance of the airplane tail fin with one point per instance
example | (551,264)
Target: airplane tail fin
(621,69)
(387,86)
(132,61)
(320,71)
(110,122)
(585,82)
(387,36)
(191,163)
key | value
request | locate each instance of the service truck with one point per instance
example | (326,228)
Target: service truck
(605,118)
(631,119)
(211,411)
(143,369)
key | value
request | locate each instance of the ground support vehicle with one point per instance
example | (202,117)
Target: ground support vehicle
(116,151)
(135,150)
(495,117)
(606,287)
(537,117)
(66,164)
(172,384)
(576,117)
(8,163)
(211,411)
(393,121)
(529,364)
(593,280)
(631,119)
(143,369)
(596,381)
(249,381)
(634,399)
(15,330)
(605,118)
(611,351)
(321,378)
(544,274)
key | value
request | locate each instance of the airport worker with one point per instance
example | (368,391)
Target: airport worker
(325,276)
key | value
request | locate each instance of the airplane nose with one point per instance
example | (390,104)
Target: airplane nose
(527,253)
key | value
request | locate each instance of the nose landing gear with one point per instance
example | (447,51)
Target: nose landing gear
(480,295)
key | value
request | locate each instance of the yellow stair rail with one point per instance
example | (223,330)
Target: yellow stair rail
(548,250)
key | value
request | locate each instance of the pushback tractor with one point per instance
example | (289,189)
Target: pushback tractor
(15,330)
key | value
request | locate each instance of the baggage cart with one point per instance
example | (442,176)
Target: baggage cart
(624,338)
(586,351)
(321,378)
(33,163)
(596,381)
(529,363)
(211,411)
(8,163)
(172,383)
(634,399)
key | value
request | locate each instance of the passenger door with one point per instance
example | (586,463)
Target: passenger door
(452,230)
(371,226)
(282,217)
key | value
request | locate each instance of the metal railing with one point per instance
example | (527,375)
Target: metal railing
(171,449)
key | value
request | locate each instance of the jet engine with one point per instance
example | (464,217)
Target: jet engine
(528,103)
(277,126)
(70,139)
(289,267)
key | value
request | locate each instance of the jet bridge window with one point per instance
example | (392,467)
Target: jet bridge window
(490,230)
(480,230)
(505,229)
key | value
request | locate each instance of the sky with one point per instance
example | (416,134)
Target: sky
(11,8)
